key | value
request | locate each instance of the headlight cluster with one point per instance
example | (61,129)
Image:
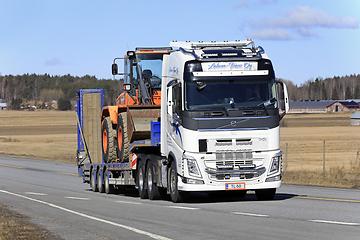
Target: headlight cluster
(275,164)
(192,166)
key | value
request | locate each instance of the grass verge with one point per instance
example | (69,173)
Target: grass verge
(16,226)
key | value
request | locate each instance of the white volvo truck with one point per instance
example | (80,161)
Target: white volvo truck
(219,118)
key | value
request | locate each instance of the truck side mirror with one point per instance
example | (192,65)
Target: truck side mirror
(114,69)
(284,98)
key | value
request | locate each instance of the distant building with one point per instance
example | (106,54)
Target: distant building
(355,119)
(310,106)
(322,106)
(343,106)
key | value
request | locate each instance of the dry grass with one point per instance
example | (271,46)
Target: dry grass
(16,226)
(49,135)
(305,134)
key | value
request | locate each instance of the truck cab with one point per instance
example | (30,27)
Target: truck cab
(222,117)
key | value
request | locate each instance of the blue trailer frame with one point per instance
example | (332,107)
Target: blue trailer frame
(84,169)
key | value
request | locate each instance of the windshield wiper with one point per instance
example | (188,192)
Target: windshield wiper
(267,103)
(213,108)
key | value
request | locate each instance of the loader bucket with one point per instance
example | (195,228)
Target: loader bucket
(139,119)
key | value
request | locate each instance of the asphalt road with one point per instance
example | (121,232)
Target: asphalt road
(52,195)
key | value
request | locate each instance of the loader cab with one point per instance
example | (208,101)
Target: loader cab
(142,65)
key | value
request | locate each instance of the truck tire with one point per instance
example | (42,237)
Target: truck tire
(108,141)
(100,185)
(92,181)
(265,194)
(153,191)
(122,138)
(108,188)
(141,180)
(176,195)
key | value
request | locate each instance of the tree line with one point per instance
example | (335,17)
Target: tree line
(19,89)
(335,88)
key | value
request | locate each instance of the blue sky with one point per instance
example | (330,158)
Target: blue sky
(305,39)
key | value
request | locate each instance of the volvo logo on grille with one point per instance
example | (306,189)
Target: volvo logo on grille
(233,123)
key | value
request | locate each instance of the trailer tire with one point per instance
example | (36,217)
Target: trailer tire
(176,195)
(141,180)
(108,188)
(122,138)
(265,194)
(108,141)
(92,181)
(100,185)
(153,191)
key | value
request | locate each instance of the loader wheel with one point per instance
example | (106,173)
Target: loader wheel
(108,141)
(122,138)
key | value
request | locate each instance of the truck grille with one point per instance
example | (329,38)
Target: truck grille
(233,155)
(238,163)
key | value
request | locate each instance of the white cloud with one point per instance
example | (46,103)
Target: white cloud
(298,22)
(304,16)
(52,62)
(271,34)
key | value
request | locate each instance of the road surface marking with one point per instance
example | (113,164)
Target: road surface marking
(127,202)
(78,198)
(154,236)
(34,193)
(180,207)
(72,174)
(329,199)
(250,214)
(334,222)
(4,165)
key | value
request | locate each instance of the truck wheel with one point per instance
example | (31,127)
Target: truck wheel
(154,192)
(141,181)
(108,188)
(122,138)
(108,141)
(176,195)
(92,181)
(265,194)
(99,183)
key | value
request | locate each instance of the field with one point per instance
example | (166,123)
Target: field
(48,134)
(304,135)
(51,135)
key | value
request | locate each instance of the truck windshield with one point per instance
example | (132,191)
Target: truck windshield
(230,94)
(150,65)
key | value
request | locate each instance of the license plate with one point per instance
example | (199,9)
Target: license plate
(234,186)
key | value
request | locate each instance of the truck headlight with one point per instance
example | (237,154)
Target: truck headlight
(192,167)
(275,164)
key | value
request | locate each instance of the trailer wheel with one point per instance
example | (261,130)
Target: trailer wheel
(108,141)
(154,192)
(92,181)
(122,138)
(108,188)
(141,181)
(265,194)
(99,183)
(176,195)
